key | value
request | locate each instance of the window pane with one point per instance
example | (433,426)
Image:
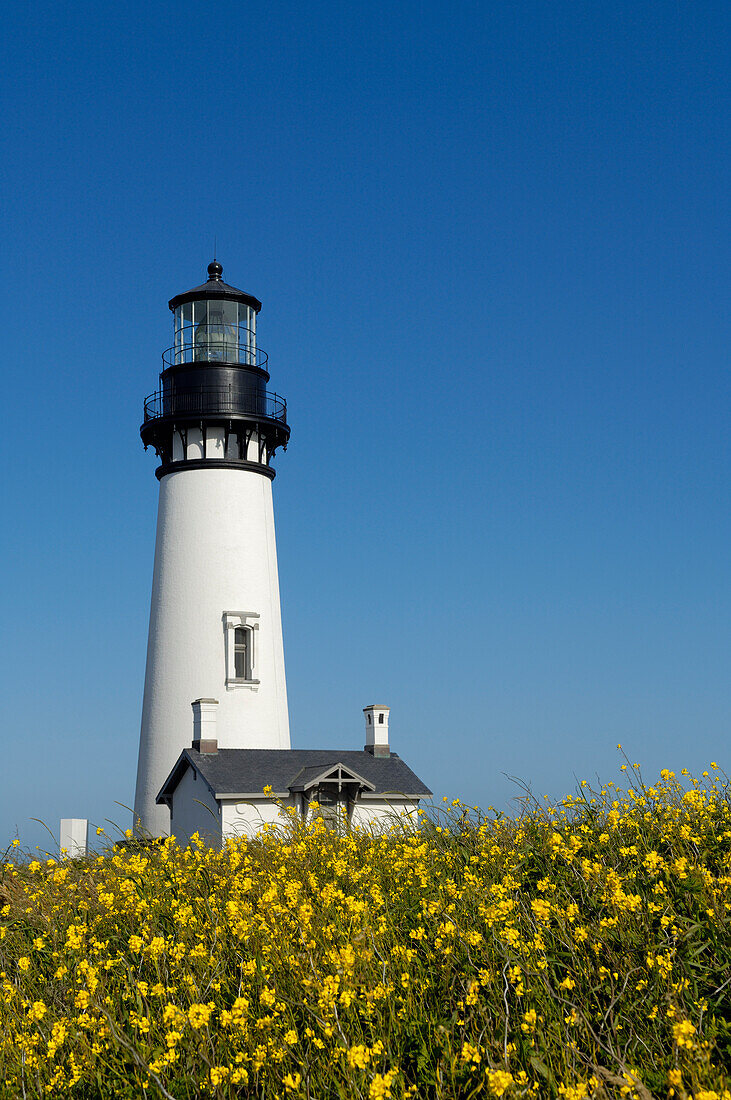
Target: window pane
(187,333)
(241,671)
(200,314)
(221,332)
(178,335)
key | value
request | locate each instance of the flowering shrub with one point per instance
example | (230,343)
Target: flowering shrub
(579,950)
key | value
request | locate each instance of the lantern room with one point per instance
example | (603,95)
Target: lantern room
(212,404)
(214,323)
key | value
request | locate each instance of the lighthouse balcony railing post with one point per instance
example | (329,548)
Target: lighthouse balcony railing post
(215,401)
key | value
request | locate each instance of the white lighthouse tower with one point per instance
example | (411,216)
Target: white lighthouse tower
(215,620)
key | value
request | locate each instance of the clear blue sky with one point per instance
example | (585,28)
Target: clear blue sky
(491,240)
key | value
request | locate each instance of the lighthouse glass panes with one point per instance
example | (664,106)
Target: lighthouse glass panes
(215,330)
(215,334)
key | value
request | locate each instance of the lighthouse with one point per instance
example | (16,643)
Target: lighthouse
(215,635)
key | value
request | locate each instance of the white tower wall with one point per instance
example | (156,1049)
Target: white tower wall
(215,569)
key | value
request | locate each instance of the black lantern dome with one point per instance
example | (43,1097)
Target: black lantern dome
(215,288)
(214,377)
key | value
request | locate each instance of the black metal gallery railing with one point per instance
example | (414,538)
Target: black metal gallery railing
(215,401)
(220,343)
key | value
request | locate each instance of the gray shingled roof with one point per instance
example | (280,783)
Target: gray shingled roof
(232,772)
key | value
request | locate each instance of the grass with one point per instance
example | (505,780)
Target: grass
(577,950)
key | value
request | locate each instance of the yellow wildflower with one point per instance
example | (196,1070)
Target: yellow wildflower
(499,1081)
(199,1015)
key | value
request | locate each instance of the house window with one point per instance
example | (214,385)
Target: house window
(380,719)
(241,653)
(240,646)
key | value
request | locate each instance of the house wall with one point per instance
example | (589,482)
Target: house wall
(189,816)
(245,818)
(381,814)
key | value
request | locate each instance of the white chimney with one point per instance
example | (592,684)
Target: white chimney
(376,728)
(205,732)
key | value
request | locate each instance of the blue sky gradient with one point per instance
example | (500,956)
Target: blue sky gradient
(491,240)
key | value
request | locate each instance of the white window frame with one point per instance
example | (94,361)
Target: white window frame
(249,620)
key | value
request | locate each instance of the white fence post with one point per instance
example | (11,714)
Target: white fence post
(72,837)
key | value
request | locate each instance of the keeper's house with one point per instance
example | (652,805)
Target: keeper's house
(220,793)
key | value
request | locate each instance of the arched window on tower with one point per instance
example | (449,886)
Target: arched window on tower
(241,653)
(241,629)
